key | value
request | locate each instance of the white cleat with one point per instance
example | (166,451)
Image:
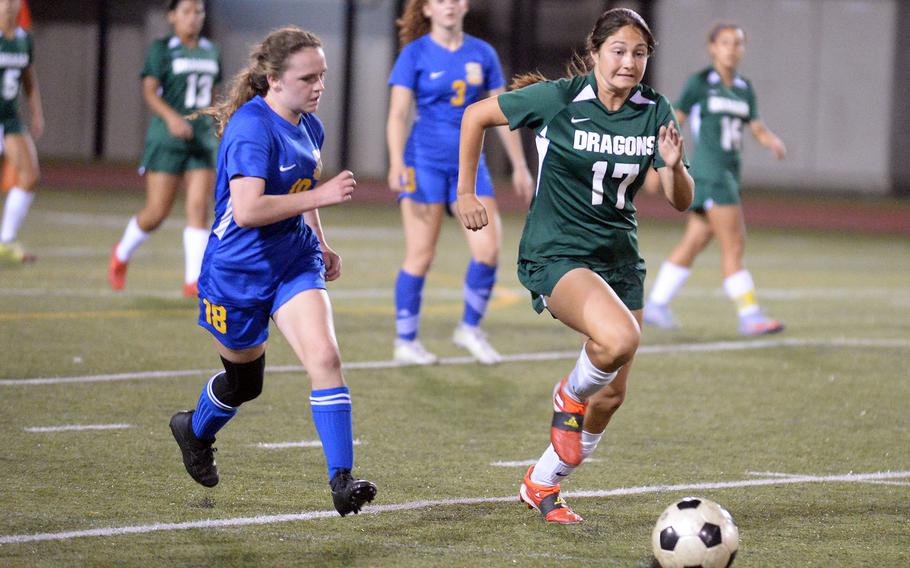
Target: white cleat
(412,352)
(659,316)
(475,341)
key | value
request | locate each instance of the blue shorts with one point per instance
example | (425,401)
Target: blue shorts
(245,326)
(428,184)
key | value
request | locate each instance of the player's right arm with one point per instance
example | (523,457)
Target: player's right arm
(178,126)
(477,118)
(254,208)
(400,103)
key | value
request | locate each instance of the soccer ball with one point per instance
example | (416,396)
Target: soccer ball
(695,532)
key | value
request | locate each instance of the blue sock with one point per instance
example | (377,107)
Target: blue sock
(332,416)
(408,294)
(478,285)
(211,414)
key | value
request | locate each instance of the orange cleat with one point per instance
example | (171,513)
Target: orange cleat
(191,290)
(565,430)
(116,271)
(546,499)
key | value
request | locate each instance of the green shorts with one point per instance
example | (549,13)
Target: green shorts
(10,126)
(161,156)
(717,190)
(627,281)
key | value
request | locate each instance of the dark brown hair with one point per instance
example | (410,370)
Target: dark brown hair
(172,4)
(268,58)
(607,24)
(721,26)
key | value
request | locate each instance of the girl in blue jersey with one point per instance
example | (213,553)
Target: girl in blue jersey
(442,70)
(267,257)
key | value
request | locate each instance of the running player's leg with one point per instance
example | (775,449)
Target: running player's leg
(20,151)
(160,192)
(421,221)
(306,322)
(728,225)
(675,271)
(583,301)
(199,186)
(479,280)
(240,336)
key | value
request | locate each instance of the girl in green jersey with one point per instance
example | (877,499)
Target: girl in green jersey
(719,101)
(600,133)
(178,78)
(18,147)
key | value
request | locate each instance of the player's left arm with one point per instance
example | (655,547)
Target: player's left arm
(331,258)
(768,139)
(675,180)
(522,181)
(33,95)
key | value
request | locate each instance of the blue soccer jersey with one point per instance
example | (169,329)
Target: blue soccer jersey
(246,266)
(444,83)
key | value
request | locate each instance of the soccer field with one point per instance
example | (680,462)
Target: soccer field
(803,436)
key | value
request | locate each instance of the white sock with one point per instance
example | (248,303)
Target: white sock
(586,379)
(741,289)
(14,211)
(132,238)
(550,470)
(668,282)
(194,243)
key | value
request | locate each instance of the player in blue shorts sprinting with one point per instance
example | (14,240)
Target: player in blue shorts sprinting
(442,70)
(267,258)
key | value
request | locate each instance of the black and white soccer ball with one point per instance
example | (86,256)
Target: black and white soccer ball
(695,532)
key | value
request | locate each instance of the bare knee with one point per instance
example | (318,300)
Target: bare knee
(325,361)
(149,221)
(615,346)
(418,262)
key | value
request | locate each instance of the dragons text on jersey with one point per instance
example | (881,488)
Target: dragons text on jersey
(591,163)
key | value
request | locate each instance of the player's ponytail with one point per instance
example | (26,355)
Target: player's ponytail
(412,24)
(268,58)
(607,24)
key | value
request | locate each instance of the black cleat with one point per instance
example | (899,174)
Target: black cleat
(349,493)
(198,456)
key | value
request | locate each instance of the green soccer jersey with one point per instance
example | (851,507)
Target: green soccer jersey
(15,56)
(591,163)
(716,115)
(186,77)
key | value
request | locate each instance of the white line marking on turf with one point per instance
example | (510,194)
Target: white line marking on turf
(302,444)
(78,427)
(781,474)
(526,463)
(515,358)
(425,504)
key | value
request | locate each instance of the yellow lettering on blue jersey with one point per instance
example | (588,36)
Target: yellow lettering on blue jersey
(302,184)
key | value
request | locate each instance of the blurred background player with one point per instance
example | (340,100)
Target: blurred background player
(599,134)
(442,70)
(267,257)
(18,72)
(178,78)
(718,101)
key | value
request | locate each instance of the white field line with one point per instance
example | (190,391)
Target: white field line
(526,463)
(425,504)
(514,358)
(78,427)
(301,444)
